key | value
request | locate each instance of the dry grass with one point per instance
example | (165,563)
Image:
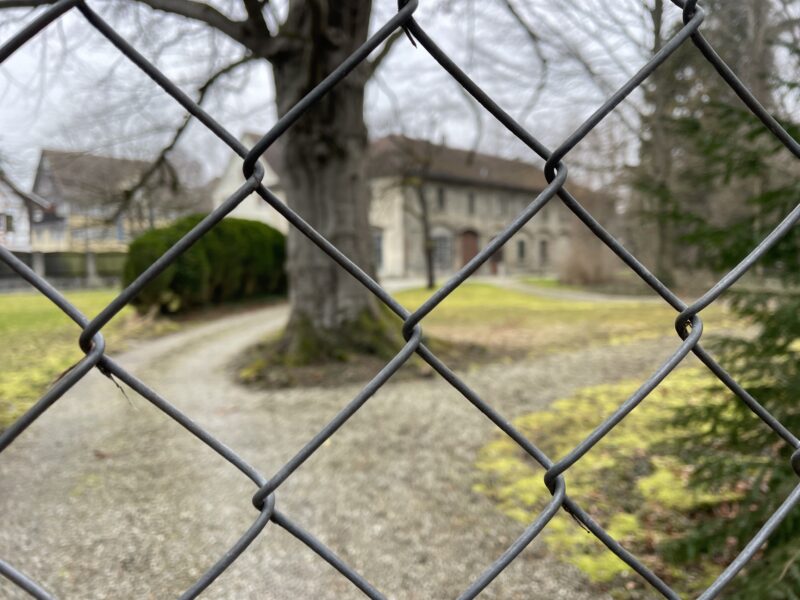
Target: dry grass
(38,342)
(513,322)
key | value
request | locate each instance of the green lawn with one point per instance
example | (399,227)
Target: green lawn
(623,284)
(550,283)
(38,342)
(521,322)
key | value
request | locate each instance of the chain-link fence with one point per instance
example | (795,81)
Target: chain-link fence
(688,323)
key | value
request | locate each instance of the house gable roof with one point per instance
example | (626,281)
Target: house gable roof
(86,179)
(91,180)
(400,156)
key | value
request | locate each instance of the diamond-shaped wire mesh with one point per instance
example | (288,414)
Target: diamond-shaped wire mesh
(688,324)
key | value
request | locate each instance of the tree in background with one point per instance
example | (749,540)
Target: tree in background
(607,43)
(738,454)
(732,183)
(686,99)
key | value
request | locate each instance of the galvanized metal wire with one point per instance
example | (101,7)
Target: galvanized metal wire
(688,323)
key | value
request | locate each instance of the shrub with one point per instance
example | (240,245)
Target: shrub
(237,259)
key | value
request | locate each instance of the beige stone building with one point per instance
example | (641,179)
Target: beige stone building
(469,198)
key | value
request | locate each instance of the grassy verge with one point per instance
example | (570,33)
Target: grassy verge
(630,483)
(38,342)
(619,286)
(550,283)
(514,323)
(479,323)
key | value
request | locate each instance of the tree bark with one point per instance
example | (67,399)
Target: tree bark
(324,175)
(661,161)
(427,240)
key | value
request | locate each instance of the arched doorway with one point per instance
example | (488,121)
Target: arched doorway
(469,245)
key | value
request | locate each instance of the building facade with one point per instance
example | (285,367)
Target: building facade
(88,202)
(14,221)
(463,199)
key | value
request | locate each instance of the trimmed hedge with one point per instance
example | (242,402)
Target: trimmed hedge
(237,259)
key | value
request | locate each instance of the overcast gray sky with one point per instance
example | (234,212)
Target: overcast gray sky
(70,89)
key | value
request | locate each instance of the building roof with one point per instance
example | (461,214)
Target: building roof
(397,155)
(400,156)
(86,179)
(89,179)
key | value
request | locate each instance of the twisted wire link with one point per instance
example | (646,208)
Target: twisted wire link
(688,324)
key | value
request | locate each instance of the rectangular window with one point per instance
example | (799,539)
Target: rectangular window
(8,223)
(471,203)
(377,248)
(521,250)
(543,254)
(442,253)
(440,199)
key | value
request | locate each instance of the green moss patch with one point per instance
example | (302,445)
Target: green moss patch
(38,342)
(627,483)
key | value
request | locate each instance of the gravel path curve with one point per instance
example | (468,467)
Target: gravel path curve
(106,498)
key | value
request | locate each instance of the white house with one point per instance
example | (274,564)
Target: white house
(15,229)
(469,198)
(80,198)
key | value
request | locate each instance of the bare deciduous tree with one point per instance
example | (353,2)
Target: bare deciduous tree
(324,153)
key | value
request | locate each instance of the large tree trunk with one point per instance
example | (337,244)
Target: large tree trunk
(324,174)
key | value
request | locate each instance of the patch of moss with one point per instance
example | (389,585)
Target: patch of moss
(639,495)
(38,342)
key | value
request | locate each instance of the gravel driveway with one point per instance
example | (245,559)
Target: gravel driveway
(108,498)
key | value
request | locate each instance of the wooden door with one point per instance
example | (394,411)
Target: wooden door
(469,246)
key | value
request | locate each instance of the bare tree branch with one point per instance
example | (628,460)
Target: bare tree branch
(255,14)
(24,3)
(384,52)
(570,49)
(161,161)
(200,11)
(16,189)
(534,38)
(252,33)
